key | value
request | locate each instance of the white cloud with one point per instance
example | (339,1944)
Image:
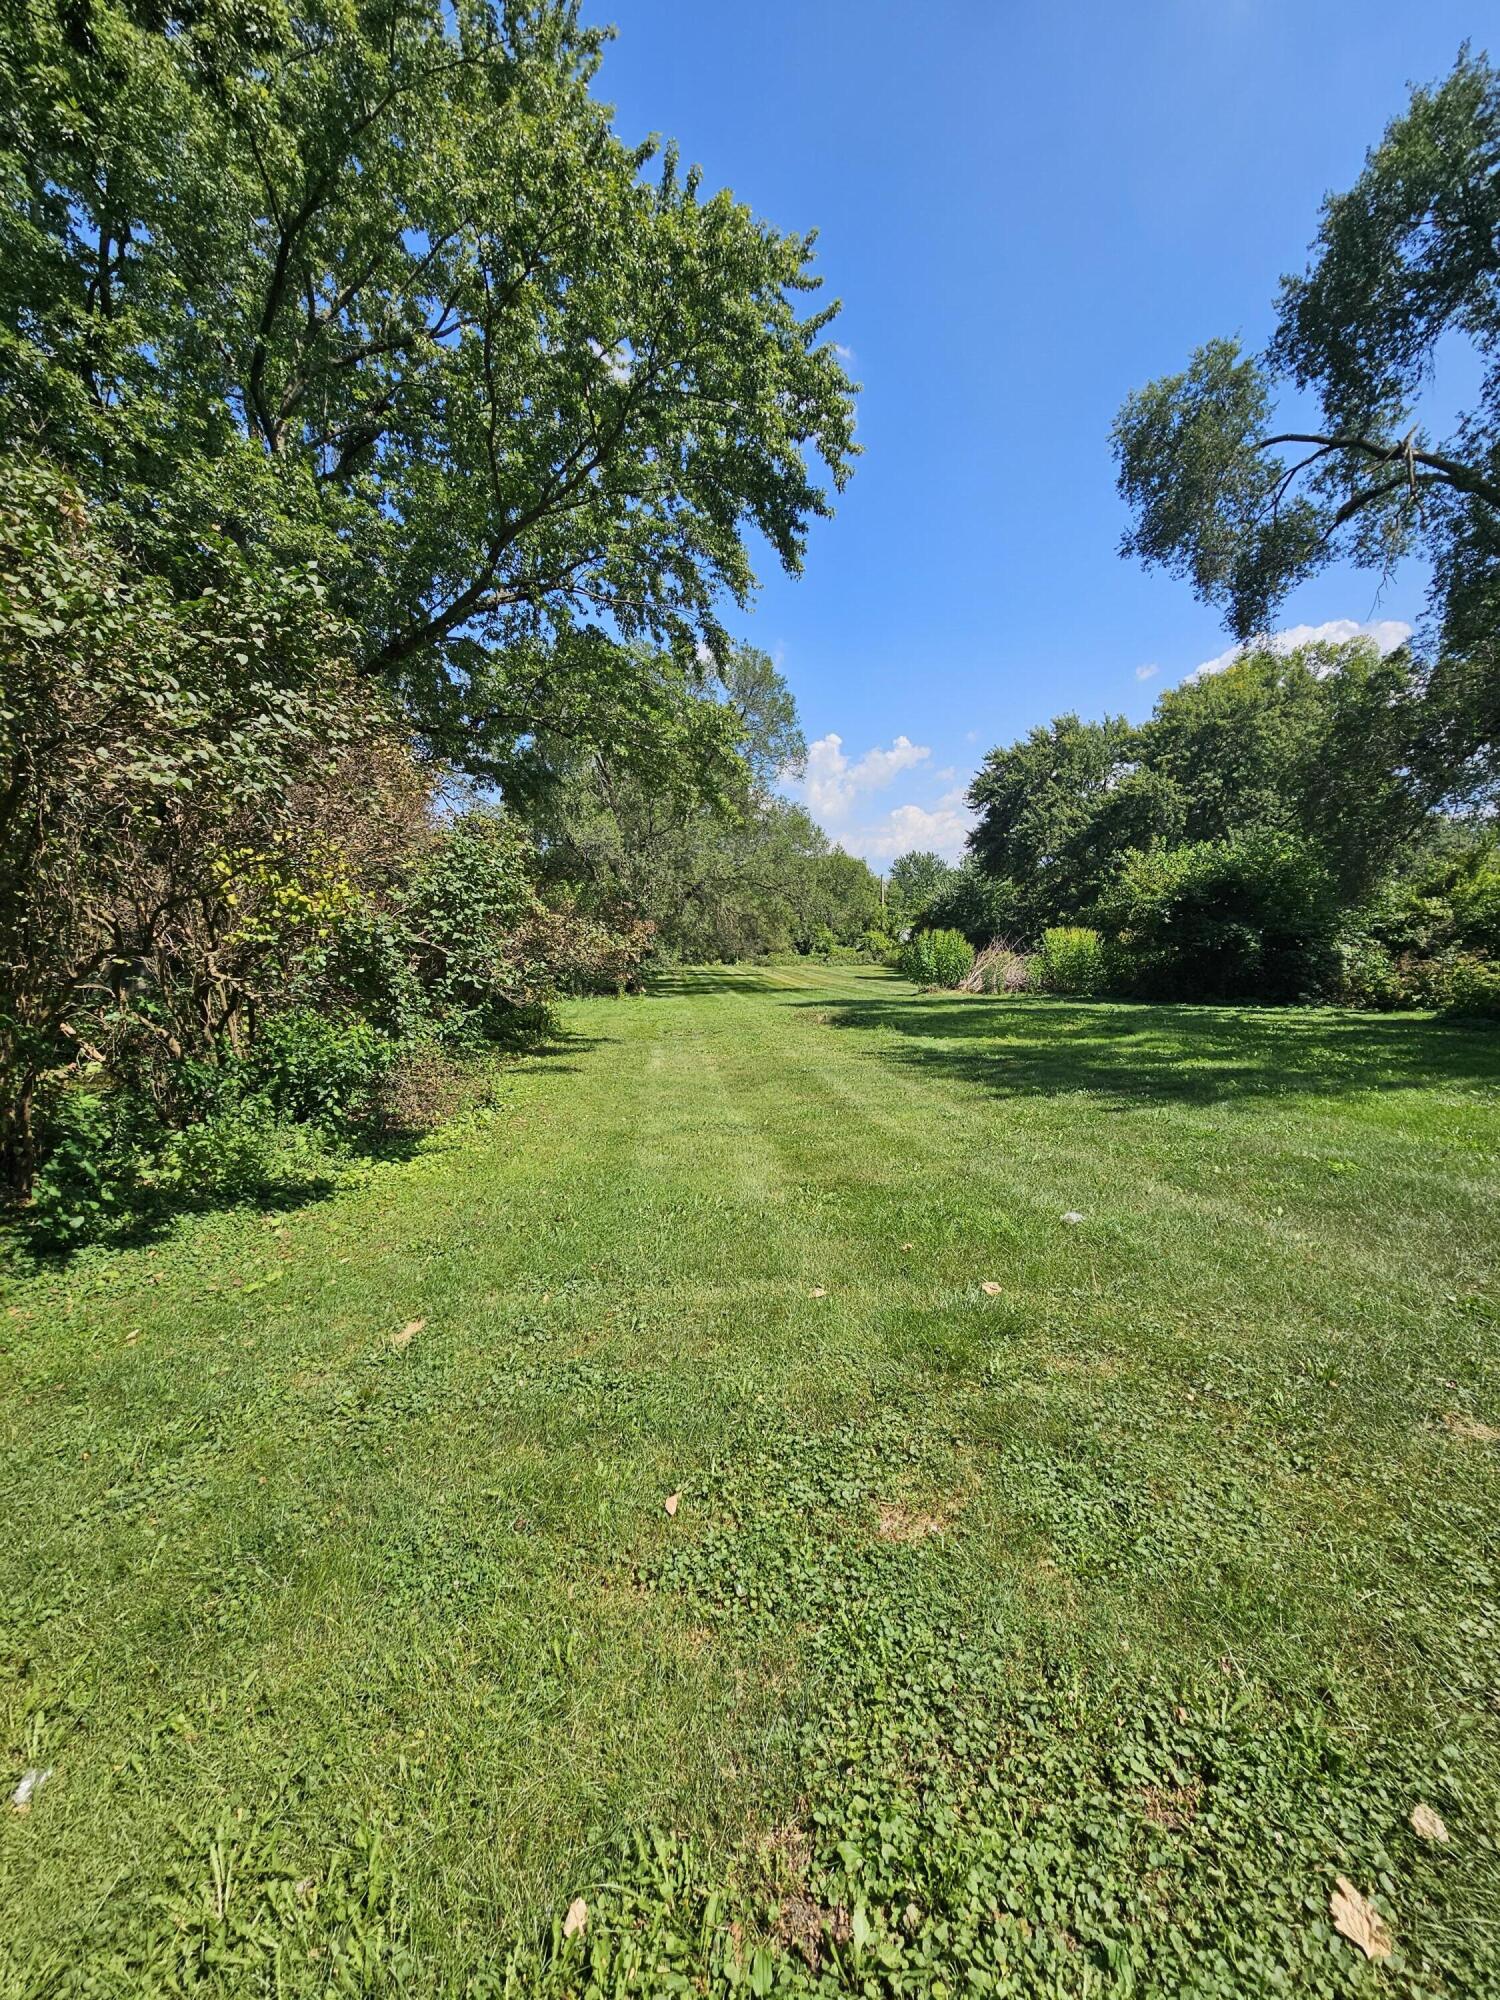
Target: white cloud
(832,784)
(943,828)
(837,790)
(1147,673)
(1388,634)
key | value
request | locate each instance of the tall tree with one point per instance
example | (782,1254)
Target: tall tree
(1245,505)
(1054,808)
(376,286)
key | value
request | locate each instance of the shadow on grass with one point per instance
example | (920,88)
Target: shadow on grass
(307,1169)
(1128,1054)
(698,983)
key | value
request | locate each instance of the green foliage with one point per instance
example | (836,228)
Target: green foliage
(1368,975)
(314,1068)
(1250,917)
(450,338)
(1471,987)
(704,851)
(240,1154)
(915,883)
(1309,753)
(95,1145)
(463,912)
(163,855)
(1404,264)
(1070,959)
(1054,811)
(1316,744)
(983,906)
(1429,936)
(936,958)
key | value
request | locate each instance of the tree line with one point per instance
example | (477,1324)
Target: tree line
(1267,834)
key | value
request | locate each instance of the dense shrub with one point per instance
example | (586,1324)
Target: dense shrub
(315,1068)
(1070,959)
(228,904)
(95,1145)
(937,958)
(1368,975)
(1473,987)
(163,856)
(1250,917)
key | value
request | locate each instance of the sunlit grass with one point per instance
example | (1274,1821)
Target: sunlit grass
(1072,1637)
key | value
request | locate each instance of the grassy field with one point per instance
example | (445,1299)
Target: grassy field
(1051,1606)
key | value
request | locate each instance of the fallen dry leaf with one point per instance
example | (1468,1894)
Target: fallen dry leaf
(408,1333)
(576,1921)
(1428,1823)
(989,1288)
(1359,1921)
(818,1292)
(671,1502)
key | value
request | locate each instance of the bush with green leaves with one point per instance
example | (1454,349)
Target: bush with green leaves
(1252,917)
(95,1145)
(1368,975)
(1071,959)
(463,904)
(317,1069)
(937,958)
(981,905)
(163,766)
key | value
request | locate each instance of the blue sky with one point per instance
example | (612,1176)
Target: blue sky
(1027,210)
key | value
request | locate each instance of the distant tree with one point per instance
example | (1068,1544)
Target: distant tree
(677,824)
(1405,263)
(842,898)
(375,287)
(1318,744)
(914,880)
(1039,803)
(984,907)
(1314,747)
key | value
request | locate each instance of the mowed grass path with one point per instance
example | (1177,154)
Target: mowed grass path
(1070,1638)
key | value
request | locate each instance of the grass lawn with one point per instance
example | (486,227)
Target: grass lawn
(1051,1607)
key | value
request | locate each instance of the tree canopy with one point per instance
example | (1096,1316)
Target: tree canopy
(688,834)
(376,287)
(1245,504)
(1313,745)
